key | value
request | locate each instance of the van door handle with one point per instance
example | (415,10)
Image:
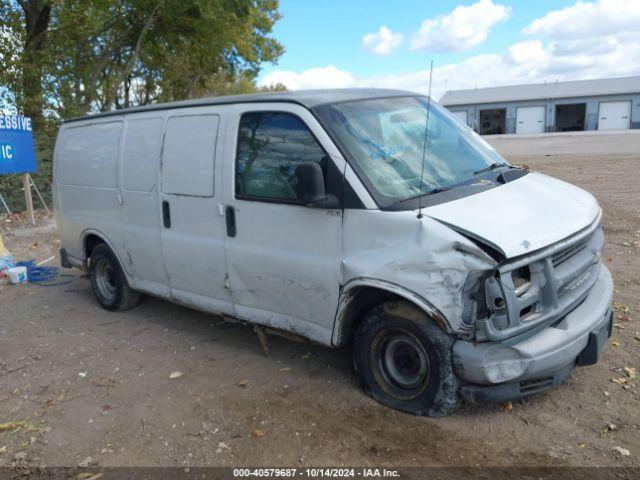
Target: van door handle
(230,219)
(166,214)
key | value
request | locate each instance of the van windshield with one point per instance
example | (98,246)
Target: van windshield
(385,142)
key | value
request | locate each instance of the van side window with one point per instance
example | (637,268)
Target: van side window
(141,154)
(89,155)
(188,155)
(270,147)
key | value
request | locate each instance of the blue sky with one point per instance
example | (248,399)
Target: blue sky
(472,42)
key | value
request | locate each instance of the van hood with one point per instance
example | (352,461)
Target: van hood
(521,216)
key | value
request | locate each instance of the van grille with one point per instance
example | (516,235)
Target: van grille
(556,282)
(561,257)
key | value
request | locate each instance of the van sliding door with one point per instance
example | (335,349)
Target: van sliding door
(193,231)
(140,212)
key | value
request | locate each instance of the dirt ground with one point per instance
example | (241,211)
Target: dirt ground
(82,382)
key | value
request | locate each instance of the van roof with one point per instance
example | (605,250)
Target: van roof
(306,98)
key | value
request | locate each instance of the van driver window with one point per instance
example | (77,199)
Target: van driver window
(270,147)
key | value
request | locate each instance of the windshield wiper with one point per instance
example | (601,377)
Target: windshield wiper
(438,190)
(430,192)
(493,166)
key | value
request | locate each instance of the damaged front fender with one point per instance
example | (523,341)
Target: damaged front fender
(418,259)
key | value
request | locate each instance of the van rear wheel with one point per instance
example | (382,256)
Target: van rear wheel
(404,360)
(109,282)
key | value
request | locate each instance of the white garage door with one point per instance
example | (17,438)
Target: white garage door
(462,115)
(614,116)
(530,120)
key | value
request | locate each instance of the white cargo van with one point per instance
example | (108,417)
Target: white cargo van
(338,216)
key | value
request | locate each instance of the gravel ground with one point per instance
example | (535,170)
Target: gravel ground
(81,382)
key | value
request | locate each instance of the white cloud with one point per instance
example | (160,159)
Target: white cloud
(549,55)
(588,20)
(522,63)
(595,39)
(463,28)
(383,41)
(532,52)
(322,77)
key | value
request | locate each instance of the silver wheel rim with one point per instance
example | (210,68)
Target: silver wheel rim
(405,362)
(105,279)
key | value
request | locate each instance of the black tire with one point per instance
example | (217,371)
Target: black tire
(405,362)
(109,282)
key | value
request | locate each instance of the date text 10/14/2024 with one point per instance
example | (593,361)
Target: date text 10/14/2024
(316,472)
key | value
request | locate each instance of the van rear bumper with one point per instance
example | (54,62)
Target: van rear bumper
(497,372)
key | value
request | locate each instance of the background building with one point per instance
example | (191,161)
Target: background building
(604,104)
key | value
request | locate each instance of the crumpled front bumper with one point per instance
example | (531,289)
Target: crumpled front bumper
(496,372)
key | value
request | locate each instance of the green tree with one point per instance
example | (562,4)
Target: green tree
(70,57)
(22,46)
(64,58)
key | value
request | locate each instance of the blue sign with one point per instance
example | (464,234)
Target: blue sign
(17,154)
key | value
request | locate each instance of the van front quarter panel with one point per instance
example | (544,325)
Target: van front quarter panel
(421,260)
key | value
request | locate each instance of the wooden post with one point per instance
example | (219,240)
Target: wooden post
(26,183)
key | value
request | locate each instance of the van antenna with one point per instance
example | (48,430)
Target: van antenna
(424,145)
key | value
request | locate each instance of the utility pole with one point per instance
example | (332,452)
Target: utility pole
(28,199)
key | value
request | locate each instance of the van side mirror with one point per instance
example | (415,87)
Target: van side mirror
(309,184)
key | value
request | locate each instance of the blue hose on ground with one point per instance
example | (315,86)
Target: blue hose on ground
(44,276)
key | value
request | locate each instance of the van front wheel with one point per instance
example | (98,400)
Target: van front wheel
(404,360)
(109,282)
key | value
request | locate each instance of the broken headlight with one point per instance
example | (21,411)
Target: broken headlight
(474,305)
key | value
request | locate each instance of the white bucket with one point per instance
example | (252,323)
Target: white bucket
(17,275)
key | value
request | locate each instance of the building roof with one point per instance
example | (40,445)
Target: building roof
(306,98)
(578,88)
